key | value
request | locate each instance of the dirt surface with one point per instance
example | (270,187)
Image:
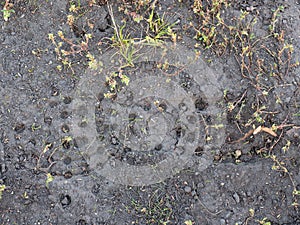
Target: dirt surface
(177,133)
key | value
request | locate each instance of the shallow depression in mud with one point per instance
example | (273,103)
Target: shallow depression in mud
(147,130)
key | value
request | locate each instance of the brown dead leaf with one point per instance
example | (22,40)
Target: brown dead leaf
(250,132)
(264,129)
(257,130)
(269,131)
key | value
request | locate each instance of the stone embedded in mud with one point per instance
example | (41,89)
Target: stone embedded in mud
(222,221)
(65,200)
(114,141)
(236,197)
(187,189)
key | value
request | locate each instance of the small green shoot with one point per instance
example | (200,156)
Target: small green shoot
(7,13)
(113,82)
(93,63)
(124,43)
(160,28)
(264,221)
(275,18)
(35,127)
(49,179)
(7,10)
(2,188)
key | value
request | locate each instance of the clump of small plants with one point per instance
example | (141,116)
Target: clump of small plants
(115,81)
(264,61)
(157,30)
(258,59)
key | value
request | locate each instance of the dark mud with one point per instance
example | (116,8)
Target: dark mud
(165,149)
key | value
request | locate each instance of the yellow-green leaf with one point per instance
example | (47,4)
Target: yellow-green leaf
(49,179)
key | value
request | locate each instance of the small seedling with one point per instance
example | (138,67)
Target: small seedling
(35,127)
(264,221)
(7,10)
(75,6)
(286,147)
(275,19)
(92,62)
(49,179)
(2,188)
(73,49)
(188,222)
(115,81)
(125,44)
(160,29)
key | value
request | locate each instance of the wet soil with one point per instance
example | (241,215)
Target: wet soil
(165,149)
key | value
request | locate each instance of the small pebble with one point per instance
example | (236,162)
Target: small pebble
(114,141)
(236,197)
(260,198)
(187,189)
(200,185)
(27,202)
(52,198)
(222,222)
(65,200)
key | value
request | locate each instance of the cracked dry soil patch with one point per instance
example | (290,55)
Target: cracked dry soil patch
(165,149)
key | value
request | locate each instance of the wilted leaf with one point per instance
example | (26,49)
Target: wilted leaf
(265,129)
(257,130)
(269,131)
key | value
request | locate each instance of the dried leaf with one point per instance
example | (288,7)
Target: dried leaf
(269,131)
(257,130)
(250,132)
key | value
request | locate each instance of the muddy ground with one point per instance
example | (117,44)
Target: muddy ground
(189,140)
